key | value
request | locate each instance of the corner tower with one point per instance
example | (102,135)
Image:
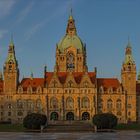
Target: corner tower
(70,51)
(11,71)
(128,75)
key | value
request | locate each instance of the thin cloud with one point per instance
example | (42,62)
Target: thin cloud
(22,15)
(60,11)
(33,30)
(6,7)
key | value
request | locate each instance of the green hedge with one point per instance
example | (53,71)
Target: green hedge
(105,121)
(34,121)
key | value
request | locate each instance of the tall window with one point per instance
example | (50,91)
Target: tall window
(118,104)
(85,102)
(38,103)
(54,103)
(109,104)
(69,102)
(70,61)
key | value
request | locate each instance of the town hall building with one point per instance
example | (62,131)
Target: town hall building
(70,92)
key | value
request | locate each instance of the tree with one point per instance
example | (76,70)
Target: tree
(105,121)
(34,121)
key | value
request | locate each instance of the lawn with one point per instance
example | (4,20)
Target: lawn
(11,128)
(128,126)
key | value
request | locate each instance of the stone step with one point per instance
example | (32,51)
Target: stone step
(71,127)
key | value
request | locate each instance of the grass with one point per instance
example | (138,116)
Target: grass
(133,126)
(12,128)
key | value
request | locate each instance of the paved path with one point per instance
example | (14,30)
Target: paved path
(126,135)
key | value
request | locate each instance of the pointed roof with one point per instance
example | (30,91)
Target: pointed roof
(11,53)
(128,54)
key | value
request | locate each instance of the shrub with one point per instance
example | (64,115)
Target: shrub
(105,121)
(34,121)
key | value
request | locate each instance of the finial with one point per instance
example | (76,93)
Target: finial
(11,40)
(129,44)
(32,75)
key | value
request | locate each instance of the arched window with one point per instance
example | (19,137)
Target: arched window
(118,104)
(54,103)
(109,104)
(85,102)
(39,90)
(100,104)
(110,90)
(119,90)
(29,90)
(70,61)
(20,89)
(69,102)
(38,103)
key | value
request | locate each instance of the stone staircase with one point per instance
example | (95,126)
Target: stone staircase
(69,126)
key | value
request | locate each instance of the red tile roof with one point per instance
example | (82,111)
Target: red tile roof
(63,75)
(33,82)
(108,82)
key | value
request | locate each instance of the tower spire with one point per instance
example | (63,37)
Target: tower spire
(11,40)
(71,29)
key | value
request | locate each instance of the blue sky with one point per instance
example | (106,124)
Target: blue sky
(37,25)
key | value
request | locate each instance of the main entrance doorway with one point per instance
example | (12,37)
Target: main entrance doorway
(70,116)
(54,116)
(85,116)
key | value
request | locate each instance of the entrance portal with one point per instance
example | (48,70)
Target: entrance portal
(70,116)
(54,116)
(85,116)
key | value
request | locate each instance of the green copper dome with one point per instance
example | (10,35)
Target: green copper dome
(68,41)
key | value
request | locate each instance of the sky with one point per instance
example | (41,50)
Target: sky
(37,25)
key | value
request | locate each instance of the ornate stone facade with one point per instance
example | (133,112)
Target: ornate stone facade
(70,92)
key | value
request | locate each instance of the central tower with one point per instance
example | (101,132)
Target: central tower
(70,51)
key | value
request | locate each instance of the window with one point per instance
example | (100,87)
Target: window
(54,83)
(9,113)
(30,104)
(39,90)
(70,84)
(29,90)
(70,61)
(129,106)
(109,104)
(19,103)
(85,84)
(118,104)
(9,106)
(38,103)
(20,89)
(69,102)
(20,113)
(54,103)
(85,102)
(101,90)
